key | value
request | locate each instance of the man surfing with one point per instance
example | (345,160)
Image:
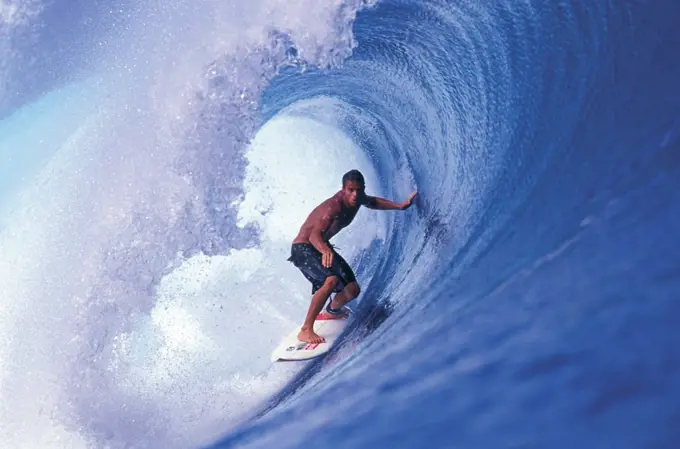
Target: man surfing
(318,261)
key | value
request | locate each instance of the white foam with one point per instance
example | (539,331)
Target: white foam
(81,354)
(218,318)
(34,356)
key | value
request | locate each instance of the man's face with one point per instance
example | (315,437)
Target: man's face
(351,192)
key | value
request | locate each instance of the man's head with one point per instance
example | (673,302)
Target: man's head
(352,187)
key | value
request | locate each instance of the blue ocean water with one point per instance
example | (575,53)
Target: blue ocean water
(529,299)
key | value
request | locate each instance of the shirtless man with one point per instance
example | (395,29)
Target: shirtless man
(318,261)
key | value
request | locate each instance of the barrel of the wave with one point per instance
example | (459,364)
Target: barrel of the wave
(315,256)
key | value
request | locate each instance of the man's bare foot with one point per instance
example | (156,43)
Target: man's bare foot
(310,336)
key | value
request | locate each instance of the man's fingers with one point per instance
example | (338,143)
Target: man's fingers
(411,198)
(327,260)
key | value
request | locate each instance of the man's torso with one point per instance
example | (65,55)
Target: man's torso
(342,216)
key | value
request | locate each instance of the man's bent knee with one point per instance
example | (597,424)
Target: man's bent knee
(331,282)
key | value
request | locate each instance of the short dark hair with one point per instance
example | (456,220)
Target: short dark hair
(353,175)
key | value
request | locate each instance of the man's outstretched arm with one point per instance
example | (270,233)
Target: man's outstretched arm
(374,202)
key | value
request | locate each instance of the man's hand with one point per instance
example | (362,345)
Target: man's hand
(406,204)
(327,258)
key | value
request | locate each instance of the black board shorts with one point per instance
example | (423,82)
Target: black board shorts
(308,260)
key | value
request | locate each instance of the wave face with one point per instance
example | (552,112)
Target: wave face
(159,156)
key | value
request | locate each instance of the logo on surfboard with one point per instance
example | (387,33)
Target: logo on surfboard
(302,346)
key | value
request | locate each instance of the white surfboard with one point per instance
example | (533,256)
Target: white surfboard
(291,348)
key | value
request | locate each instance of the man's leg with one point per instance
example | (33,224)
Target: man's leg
(319,298)
(347,294)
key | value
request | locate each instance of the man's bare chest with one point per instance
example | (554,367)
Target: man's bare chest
(344,218)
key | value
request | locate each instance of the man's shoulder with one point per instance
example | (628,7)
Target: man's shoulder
(366,200)
(335,201)
(331,204)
